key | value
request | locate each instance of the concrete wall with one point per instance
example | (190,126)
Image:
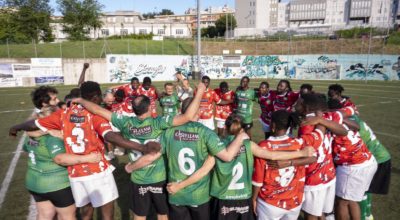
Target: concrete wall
(72,69)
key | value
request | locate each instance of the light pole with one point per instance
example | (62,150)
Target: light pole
(198,39)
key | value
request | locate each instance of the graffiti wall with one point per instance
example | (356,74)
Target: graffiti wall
(121,68)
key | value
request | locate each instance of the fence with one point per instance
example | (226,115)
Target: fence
(265,46)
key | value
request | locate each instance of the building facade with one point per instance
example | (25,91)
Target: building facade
(120,23)
(313,16)
(208,16)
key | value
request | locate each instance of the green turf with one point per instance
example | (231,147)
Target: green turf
(379,105)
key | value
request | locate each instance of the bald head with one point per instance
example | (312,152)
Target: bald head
(141,105)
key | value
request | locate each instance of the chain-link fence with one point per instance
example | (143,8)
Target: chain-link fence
(210,46)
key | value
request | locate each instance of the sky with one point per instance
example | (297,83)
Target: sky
(143,6)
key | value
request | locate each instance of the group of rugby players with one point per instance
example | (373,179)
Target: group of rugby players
(181,169)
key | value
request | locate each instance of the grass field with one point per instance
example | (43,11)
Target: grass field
(98,48)
(378,102)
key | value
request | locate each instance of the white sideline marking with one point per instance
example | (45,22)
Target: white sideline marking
(388,135)
(10,171)
(19,110)
(32,210)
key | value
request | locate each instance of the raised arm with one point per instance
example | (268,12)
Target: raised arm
(231,151)
(195,177)
(66,159)
(280,155)
(83,73)
(94,108)
(192,109)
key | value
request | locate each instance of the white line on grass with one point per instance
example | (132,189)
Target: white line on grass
(32,210)
(10,171)
(19,110)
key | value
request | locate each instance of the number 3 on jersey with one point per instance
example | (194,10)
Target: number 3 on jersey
(79,146)
(237,173)
(186,164)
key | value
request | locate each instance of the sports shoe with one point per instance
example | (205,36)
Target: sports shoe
(119,151)
(109,156)
(370,217)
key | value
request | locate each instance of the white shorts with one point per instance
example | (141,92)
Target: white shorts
(220,123)
(209,123)
(99,189)
(266,211)
(353,181)
(265,126)
(319,201)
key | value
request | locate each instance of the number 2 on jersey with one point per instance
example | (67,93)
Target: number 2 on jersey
(237,173)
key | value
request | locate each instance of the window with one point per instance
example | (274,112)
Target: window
(160,31)
(179,31)
(124,32)
(142,31)
(105,32)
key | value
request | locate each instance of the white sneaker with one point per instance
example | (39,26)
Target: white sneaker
(370,217)
(109,156)
(118,151)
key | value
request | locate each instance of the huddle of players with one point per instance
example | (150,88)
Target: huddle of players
(280,189)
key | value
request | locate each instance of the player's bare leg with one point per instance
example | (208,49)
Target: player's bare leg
(310,217)
(162,217)
(87,212)
(355,211)
(342,211)
(107,211)
(66,213)
(46,210)
(136,217)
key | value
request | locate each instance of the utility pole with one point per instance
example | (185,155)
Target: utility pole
(198,40)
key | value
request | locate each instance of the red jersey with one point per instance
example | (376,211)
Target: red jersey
(83,134)
(285,101)
(323,170)
(350,149)
(124,107)
(207,103)
(346,102)
(152,94)
(267,106)
(283,188)
(129,91)
(223,111)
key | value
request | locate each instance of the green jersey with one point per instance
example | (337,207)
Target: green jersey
(232,180)
(170,105)
(142,131)
(43,174)
(244,101)
(187,147)
(377,149)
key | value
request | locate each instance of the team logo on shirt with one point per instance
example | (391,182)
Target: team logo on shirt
(185,136)
(77,119)
(140,131)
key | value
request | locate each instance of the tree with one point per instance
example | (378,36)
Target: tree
(25,20)
(166,12)
(221,24)
(79,17)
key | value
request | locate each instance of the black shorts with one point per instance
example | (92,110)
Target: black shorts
(61,198)
(146,196)
(200,212)
(248,126)
(232,209)
(381,181)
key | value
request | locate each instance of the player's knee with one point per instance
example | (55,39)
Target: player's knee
(46,214)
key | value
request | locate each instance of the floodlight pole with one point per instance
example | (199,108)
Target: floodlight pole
(198,39)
